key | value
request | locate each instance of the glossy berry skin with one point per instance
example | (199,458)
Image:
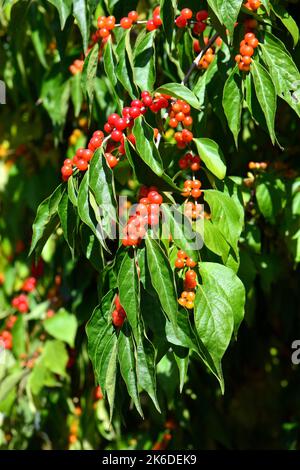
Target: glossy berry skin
(155,198)
(126,23)
(202,15)
(117,319)
(133,16)
(181,22)
(112,119)
(116,135)
(112,161)
(150,26)
(181,254)
(186,13)
(179,263)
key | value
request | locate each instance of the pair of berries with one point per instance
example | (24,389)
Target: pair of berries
(146,215)
(128,20)
(187,299)
(207,59)
(190,281)
(119,314)
(192,211)
(180,113)
(11,320)
(184,260)
(76,67)
(190,161)
(247,47)
(183,138)
(29,284)
(6,339)
(155,22)
(182,20)
(21,303)
(192,188)
(252,4)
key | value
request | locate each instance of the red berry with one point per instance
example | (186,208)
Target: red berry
(133,16)
(199,27)
(154,197)
(190,263)
(116,135)
(179,263)
(196,193)
(110,22)
(126,23)
(181,22)
(121,124)
(157,20)
(112,119)
(95,143)
(82,164)
(108,128)
(187,136)
(111,160)
(135,112)
(150,26)
(147,100)
(117,319)
(181,254)
(87,154)
(186,13)
(202,15)
(247,50)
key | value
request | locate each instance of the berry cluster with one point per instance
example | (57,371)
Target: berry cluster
(76,67)
(146,215)
(183,260)
(119,314)
(207,59)
(190,161)
(29,284)
(247,47)
(190,282)
(21,303)
(192,188)
(6,339)
(186,14)
(252,4)
(180,113)
(258,165)
(116,126)
(187,299)
(155,22)
(192,211)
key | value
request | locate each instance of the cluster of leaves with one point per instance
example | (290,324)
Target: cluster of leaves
(252,221)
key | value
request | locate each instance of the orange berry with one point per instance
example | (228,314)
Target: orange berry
(179,263)
(189,304)
(196,193)
(190,296)
(188,121)
(173,123)
(191,263)
(181,254)
(182,302)
(196,184)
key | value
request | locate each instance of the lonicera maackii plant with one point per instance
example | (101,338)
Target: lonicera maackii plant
(167,257)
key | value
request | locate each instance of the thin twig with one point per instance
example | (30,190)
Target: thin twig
(198,58)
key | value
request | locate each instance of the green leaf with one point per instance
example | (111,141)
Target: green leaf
(68,220)
(110,62)
(283,70)
(85,211)
(55,94)
(72,192)
(181,231)
(63,326)
(144,61)
(162,279)
(80,14)
(181,356)
(145,146)
(126,356)
(76,93)
(266,95)
(101,183)
(144,173)
(102,348)
(211,154)
(129,292)
(145,369)
(233,102)
(91,248)
(226,216)
(46,220)
(215,241)
(125,66)
(64,8)
(167,14)
(55,357)
(89,73)
(270,194)
(227,11)
(19,336)
(10,382)
(179,91)
(219,308)
(287,20)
